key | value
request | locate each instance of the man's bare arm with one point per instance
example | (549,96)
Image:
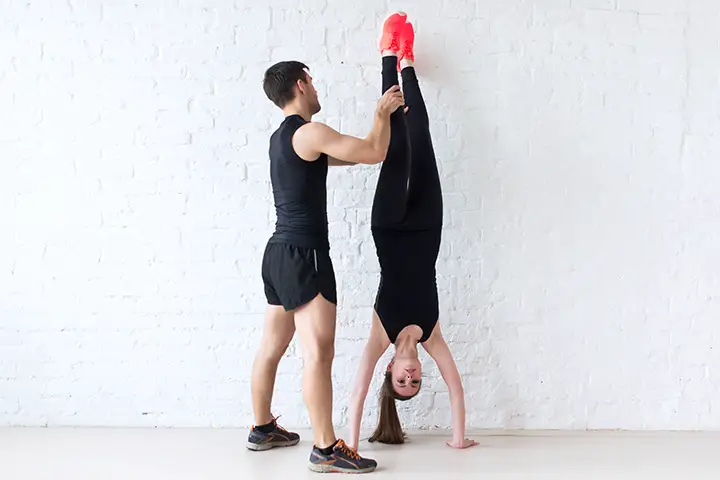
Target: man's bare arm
(334,162)
(313,139)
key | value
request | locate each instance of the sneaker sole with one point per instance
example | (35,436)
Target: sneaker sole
(259,447)
(334,469)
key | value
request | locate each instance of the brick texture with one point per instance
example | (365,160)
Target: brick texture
(576,138)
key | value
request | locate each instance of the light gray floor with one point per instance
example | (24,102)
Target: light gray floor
(180,454)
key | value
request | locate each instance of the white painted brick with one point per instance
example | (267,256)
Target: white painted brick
(577,143)
(596,4)
(649,6)
(664,24)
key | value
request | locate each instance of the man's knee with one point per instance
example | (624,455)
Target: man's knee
(274,353)
(320,350)
(273,348)
(315,323)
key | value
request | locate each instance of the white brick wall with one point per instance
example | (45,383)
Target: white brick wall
(576,138)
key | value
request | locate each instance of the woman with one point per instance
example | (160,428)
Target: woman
(406,226)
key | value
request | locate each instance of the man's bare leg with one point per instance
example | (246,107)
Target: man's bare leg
(279,331)
(315,324)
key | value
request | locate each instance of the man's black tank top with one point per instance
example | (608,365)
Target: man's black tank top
(299,189)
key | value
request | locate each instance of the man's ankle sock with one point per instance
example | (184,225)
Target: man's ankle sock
(328,450)
(267,428)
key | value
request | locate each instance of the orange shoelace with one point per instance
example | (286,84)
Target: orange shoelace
(279,427)
(347,450)
(274,420)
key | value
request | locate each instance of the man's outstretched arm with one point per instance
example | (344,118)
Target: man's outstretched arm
(314,139)
(334,162)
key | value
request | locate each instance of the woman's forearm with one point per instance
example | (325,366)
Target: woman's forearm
(357,403)
(376,346)
(457,407)
(438,349)
(360,391)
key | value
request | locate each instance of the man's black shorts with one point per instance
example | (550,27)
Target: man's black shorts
(293,276)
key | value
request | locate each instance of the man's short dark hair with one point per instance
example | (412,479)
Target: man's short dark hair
(280,79)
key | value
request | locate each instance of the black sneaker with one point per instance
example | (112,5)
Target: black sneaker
(278,437)
(343,459)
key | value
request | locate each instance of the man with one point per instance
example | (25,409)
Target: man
(297,270)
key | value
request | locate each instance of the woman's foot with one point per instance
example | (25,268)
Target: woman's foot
(406,53)
(391,32)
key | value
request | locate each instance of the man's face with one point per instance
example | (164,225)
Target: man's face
(310,94)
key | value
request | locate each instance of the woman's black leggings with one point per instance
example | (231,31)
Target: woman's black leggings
(408,195)
(407,215)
